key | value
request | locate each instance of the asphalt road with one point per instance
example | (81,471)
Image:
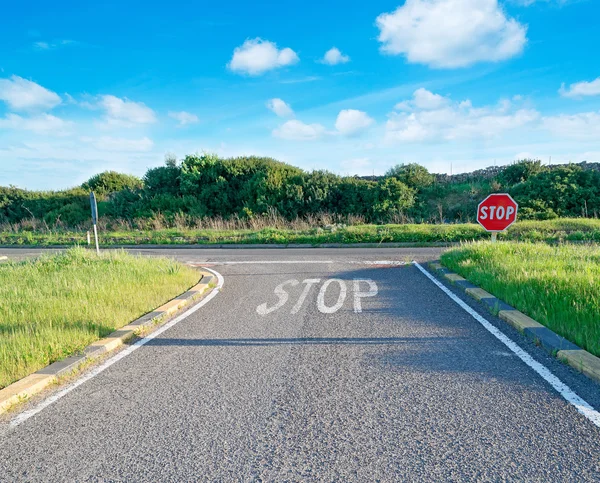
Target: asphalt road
(281,378)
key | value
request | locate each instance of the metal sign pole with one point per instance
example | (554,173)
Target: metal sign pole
(494,236)
(96,238)
(94,206)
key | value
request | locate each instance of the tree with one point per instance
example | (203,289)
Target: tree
(565,191)
(110,182)
(412,175)
(520,172)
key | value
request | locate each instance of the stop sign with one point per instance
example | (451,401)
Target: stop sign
(497,212)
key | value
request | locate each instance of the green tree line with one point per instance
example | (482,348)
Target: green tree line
(203,186)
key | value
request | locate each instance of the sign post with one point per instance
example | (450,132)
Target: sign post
(94,206)
(496,213)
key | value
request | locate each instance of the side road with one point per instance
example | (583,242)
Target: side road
(342,368)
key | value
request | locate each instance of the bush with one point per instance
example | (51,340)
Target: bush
(111,182)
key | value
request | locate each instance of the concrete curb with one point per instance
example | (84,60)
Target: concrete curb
(33,384)
(553,343)
(237,246)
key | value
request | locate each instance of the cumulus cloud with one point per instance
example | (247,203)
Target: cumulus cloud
(423,99)
(42,124)
(280,108)
(450,121)
(184,117)
(581,89)
(451,33)
(257,56)
(583,126)
(527,3)
(21,94)
(333,57)
(351,122)
(295,130)
(124,112)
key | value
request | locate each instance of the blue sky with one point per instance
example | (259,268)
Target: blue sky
(354,88)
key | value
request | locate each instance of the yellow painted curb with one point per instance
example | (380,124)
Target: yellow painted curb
(583,361)
(23,389)
(479,293)
(114,340)
(453,277)
(519,320)
(201,287)
(35,383)
(171,306)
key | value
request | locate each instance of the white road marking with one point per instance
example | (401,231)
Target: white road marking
(358,294)
(340,301)
(565,391)
(25,415)
(392,263)
(309,283)
(283,296)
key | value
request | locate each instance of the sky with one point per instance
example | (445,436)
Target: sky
(352,87)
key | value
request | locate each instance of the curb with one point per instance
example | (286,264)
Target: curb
(554,344)
(237,246)
(33,384)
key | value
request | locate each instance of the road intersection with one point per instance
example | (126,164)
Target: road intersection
(314,365)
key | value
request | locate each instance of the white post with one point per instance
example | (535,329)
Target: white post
(494,236)
(88,238)
(96,238)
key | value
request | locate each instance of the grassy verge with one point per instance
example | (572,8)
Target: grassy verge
(573,230)
(55,306)
(559,286)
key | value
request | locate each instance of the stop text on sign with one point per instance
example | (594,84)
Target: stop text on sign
(497,212)
(359,288)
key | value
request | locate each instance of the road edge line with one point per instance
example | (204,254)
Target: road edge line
(22,390)
(582,406)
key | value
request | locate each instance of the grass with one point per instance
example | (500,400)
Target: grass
(559,286)
(55,306)
(560,230)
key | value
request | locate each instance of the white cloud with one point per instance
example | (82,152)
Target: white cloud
(184,117)
(123,112)
(333,57)
(423,99)
(450,121)
(21,94)
(581,89)
(42,124)
(351,122)
(295,130)
(280,107)
(108,143)
(257,56)
(584,126)
(41,45)
(527,3)
(451,33)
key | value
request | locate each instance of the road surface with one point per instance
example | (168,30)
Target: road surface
(315,365)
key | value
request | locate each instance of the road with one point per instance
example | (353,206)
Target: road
(282,377)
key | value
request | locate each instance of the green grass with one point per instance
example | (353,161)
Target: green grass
(55,306)
(559,286)
(572,230)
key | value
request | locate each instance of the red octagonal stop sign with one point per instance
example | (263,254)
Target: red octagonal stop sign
(497,212)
